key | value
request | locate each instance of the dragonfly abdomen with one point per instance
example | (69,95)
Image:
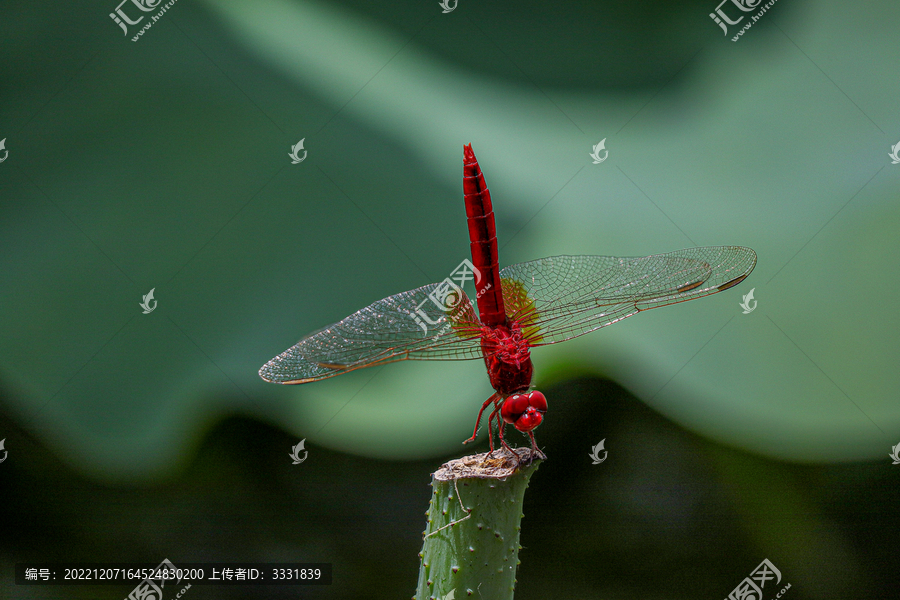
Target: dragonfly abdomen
(483,241)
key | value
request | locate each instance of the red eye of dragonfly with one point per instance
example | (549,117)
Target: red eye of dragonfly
(520,307)
(524,411)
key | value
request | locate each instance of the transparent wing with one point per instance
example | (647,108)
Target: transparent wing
(409,325)
(562,297)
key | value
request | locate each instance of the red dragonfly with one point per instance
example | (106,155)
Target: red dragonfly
(520,307)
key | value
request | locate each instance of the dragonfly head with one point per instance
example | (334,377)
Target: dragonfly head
(524,411)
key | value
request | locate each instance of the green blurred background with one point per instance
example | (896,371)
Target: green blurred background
(163,163)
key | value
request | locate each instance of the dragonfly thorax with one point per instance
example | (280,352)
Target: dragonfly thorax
(507,358)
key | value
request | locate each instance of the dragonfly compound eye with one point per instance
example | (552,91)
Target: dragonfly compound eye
(524,411)
(514,407)
(538,401)
(530,420)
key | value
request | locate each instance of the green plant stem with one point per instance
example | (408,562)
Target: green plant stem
(471,543)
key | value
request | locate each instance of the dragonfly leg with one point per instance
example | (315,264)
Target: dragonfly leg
(477,421)
(534,448)
(495,414)
(491,431)
(500,429)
